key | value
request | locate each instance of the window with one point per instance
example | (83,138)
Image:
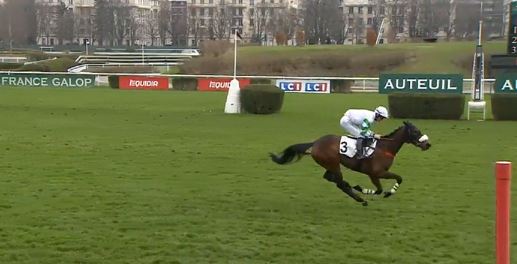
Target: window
(370,21)
(252,22)
(252,11)
(351,10)
(360,10)
(210,11)
(382,10)
(252,2)
(370,10)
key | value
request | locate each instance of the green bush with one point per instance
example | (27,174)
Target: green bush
(10,66)
(426,106)
(184,83)
(113,81)
(261,99)
(503,106)
(57,65)
(260,81)
(341,86)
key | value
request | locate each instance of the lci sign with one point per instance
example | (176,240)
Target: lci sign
(506,83)
(421,83)
(46,80)
(304,86)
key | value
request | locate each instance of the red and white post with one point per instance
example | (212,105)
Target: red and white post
(503,175)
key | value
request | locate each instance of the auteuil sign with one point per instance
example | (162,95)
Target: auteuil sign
(45,80)
(421,83)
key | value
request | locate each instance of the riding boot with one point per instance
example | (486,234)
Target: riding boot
(359,147)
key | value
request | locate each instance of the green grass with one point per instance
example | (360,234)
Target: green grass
(109,176)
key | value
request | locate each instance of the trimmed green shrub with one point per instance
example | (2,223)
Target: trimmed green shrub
(184,83)
(341,86)
(260,81)
(503,106)
(10,66)
(57,65)
(113,81)
(261,99)
(426,106)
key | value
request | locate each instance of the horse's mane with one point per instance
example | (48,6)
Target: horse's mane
(393,132)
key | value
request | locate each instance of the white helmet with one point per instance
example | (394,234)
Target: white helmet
(382,111)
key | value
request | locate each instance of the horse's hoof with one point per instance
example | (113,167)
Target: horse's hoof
(365,203)
(387,194)
(358,188)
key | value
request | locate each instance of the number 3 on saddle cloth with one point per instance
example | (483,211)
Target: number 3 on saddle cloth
(348,147)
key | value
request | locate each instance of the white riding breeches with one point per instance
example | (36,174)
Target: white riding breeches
(348,126)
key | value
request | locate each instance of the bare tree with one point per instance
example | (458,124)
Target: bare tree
(323,20)
(123,21)
(64,23)
(261,17)
(45,19)
(221,22)
(152,27)
(466,22)
(21,21)
(104,23)
(163,21)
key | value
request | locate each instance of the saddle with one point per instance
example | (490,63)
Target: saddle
(348,147)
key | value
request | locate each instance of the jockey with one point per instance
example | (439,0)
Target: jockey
(358,123)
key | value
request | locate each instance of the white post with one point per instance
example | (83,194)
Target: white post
(380,33)
(143,53)
(86,46)
(235,54)
(233,100)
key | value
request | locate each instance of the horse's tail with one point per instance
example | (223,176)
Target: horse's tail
(291,153)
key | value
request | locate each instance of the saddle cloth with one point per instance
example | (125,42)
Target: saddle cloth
(347,147)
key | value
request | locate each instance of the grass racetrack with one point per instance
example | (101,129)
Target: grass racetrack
(109,176)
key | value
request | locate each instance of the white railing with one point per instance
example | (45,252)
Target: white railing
(361,84)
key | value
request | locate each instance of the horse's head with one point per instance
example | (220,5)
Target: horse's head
(415,137)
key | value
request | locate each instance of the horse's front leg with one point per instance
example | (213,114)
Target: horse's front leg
(390,175)
(375,181)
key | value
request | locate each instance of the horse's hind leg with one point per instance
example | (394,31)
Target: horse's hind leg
(376,182)
(344,186)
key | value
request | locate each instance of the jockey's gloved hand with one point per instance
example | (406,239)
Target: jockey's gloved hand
(377,136)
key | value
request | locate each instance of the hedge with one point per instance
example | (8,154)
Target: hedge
(10,66)
(426,106)
(503,106)
(114,81)
(261,99)
(341,86)
(184,83)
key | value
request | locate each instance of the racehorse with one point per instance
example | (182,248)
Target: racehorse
(325,151)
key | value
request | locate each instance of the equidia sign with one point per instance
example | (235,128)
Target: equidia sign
(421,83)
(304,86)
(218,84)
(46,80)
(143,82)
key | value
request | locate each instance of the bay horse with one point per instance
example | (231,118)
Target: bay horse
(325,151)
